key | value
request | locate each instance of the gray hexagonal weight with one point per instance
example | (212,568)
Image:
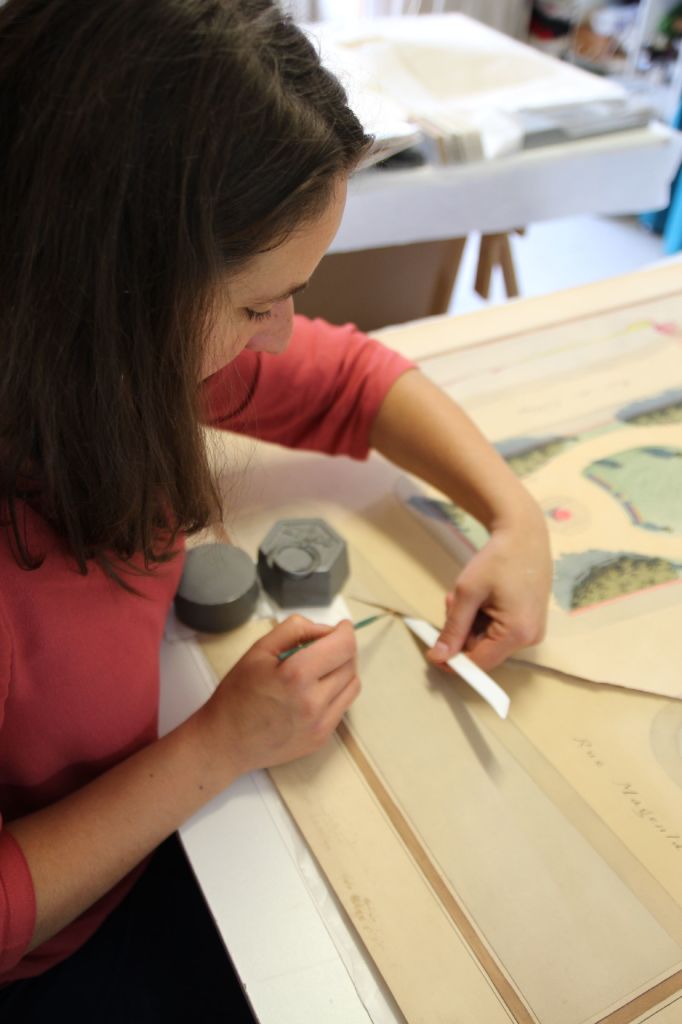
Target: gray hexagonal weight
(303,562)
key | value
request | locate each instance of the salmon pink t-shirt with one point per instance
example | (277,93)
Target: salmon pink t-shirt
(79,655)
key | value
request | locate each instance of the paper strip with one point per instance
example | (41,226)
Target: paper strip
(479,680)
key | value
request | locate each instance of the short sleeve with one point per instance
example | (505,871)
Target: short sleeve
(17,903)
(323,393)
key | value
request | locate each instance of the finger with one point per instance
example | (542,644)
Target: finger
(293,631)
(479,628)
(328,653)
(314,697)
(472,641)
(461,612)
(335,682)
(481,619)
(480,624)
(489,652)
(338,707)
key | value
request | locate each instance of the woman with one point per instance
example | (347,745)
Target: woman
(172,172)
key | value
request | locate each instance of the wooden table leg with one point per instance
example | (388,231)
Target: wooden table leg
(445,280)
(495,251)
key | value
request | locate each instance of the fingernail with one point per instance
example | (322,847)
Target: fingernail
(439,649)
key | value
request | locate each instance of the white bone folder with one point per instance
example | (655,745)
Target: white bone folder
(479,680)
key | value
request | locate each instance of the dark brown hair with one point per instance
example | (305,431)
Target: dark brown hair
(147,149)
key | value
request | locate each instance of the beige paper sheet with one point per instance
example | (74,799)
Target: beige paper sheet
(526,870)
(590,414)
(549,899)
(428,965)
(671,1014)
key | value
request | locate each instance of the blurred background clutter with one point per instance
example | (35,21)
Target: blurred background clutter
(510,16)
(521,146)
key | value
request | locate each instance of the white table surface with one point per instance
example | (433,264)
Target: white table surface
(624,173)
(621,173)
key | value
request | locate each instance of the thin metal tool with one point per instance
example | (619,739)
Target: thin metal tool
(283,655)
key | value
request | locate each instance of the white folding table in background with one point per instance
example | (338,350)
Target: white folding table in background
(370,276)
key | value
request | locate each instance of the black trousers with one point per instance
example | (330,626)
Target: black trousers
(157,959)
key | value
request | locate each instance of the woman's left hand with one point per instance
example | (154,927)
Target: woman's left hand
(499,601)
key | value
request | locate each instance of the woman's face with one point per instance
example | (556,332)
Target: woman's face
(259,312)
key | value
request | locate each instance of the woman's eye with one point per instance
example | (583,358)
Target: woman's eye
(253,314)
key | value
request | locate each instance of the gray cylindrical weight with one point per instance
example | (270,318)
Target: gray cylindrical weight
(218,590)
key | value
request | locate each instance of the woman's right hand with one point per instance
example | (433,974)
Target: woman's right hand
(264,712)
(267,712)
